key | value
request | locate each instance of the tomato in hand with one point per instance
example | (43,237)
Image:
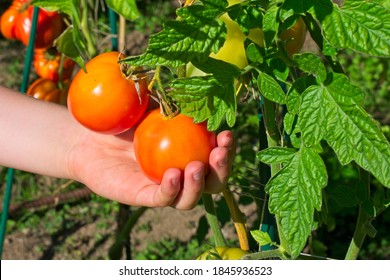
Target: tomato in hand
(103,99)
(47,65)
(45,89)
(161,143)
(223,253)
(49,27)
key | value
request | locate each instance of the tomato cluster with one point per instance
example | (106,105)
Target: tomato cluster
(107,100)
(16,24)
(47,64)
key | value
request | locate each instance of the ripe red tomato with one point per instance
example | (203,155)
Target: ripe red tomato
(47,65)
(49,27)
(161,143)
(45,89)
(103,99)
(8,19)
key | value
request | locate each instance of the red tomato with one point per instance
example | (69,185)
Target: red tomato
(50,26)
(45,89)
(8,19)
(161,143)
(47,65)
(103,99)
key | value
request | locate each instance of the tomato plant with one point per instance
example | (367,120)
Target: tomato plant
(161,143)
(45,89)
(223,253)
(47,64)
(49,27)
(103,99)
(305,105)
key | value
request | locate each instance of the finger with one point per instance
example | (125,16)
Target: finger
(169,188)
(219,170)
(225,139)
(193,185)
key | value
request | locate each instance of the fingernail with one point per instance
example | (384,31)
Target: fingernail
(222,162)
(197,176)
(175,181)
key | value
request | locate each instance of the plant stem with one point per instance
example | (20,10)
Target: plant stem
(362,223)
(269,131)
(238,218)
(85,28)
(115,252)
(276,253)
(212,220)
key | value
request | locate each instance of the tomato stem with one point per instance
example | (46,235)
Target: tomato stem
(168,108)
(212,219)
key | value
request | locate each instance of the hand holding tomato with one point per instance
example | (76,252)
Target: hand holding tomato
(107,165)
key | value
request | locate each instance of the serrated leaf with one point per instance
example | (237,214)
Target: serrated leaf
(295,192)
(349,130)
(205,98)
(127,9)
(276,155)
(270,88)
(181,41)
(359,25)
(62,6)
(312,115)
(312,64)
(260,237)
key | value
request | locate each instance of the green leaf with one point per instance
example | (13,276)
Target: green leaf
(292,7)
(205,98)
(193,37)
(62,6)
(276,155)
(312,64)
(260,237)
(333,112)
(127,9)
(255,53)
(270,25)
(270,88)
(290,123)
(66,45)
(294,194)
(359,25)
